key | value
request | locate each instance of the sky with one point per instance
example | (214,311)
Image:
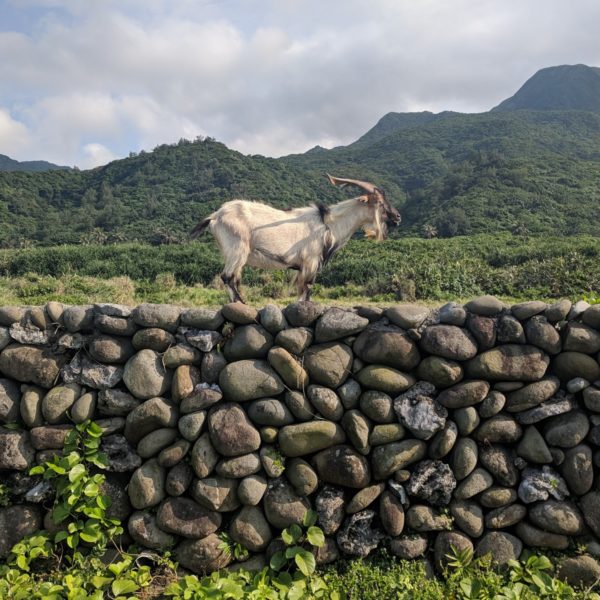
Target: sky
(83,82)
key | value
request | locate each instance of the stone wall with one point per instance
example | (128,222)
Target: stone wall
(475,425)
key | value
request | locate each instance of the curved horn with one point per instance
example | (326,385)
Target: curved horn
(365,185)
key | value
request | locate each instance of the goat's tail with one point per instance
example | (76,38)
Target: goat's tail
(200,228)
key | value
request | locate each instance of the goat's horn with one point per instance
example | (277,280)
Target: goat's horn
(365,185)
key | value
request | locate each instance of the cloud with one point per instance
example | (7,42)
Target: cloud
(83,85)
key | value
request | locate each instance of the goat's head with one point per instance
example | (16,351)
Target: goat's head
(384,213)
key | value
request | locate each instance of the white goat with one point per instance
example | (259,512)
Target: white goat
(303,239)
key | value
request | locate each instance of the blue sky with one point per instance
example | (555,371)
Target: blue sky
(83,82)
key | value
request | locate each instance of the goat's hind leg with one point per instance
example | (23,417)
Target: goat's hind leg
(232,287)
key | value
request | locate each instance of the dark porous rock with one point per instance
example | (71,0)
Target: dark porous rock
(447,542)
(231,432)
(364,498)
(295,340)
(581,338)
(442,442)
(483,329)
(510,331)
(384,379)
(476,482)
(578,469)
(558,405)
(148,416)
(299,406)
(389,458)
(485,305)
(179,479)
(328,364)
(452,314)
(499,462)
(145,375)
(387,345)
(147,485)
(173,454)
(419,412)
(336,323)
(540,484)
(567,366)
(501,428)
(248,341)
(303,314)
(49,437)
(358,429)
(58,401)
(538,538)
(250,529)
(391,514)
(409,547)
(468,517)
(562,517)
(377,406)
(502,546)
(16,522)
(251,490)
(185,380)
(153,338)
(108,349)
(342,465)
(330,508)
(543,334)
(505,516)
(288,368)
(433,482)
(310,437)
(78,318)
(357,537)
(448,341)
(184,517)
(145,531)
(213,363)
(422,519)
(204,457)
(567,430)
(270,411)
(492,404)
(464,457)
(115,325)
(120,455)
(202,318)
(497,496)
(10,403)
(439,371)
(16,451)
(407,316)
(92,374)
(464,394)
(29,334)
(31,364)
(532,395)
(216,493)
(326,401)
(467,419)
(248,380)
(511,362)
(579,571)
(282,505)
(203,556)
(163,316)
(302,476)
(533,447)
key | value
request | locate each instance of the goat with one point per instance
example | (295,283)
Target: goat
(303,239)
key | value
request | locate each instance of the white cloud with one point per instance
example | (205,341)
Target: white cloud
(90,81)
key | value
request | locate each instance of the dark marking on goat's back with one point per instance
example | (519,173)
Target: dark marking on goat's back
(323,211)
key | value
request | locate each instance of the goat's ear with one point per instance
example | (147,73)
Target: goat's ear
(364,198)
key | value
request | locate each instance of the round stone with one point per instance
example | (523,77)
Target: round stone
(441,372)
(342,465)
(250,529)
(58,401)
(147,485)
(468,517)
(107,349)
(248,380)
(385,379)
(502,546)
(153,338)
(252,489)
(389,458)
(326,401)
(387,345)
(328,364)
(145,376)
(184,517)
(448,341)
(378,406)
(464,394)
(310,437)
(269,411)
(231,432)
(283,506)
(510,362)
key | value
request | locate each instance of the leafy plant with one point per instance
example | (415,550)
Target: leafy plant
(4,495)
(232,548)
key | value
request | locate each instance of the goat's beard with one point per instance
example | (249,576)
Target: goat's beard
(377,230)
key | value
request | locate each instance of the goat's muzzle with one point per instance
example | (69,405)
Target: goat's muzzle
(393,217)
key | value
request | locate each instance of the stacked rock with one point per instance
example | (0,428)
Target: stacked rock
(474,426)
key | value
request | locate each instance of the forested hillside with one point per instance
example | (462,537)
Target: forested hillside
(523,171)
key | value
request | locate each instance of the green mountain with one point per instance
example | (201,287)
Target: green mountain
(9,164)
(525,171)
(567,87)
